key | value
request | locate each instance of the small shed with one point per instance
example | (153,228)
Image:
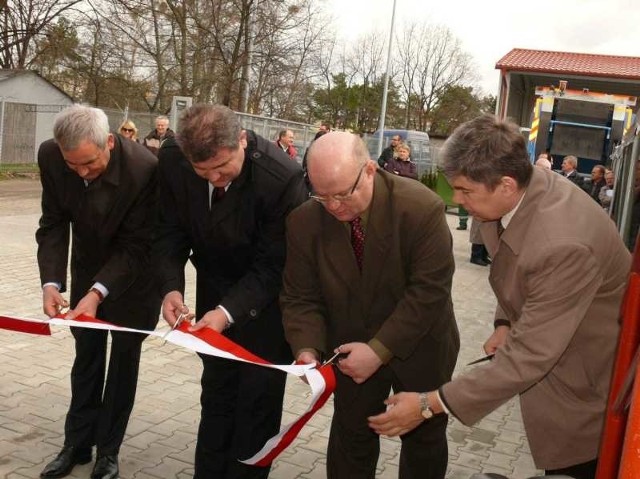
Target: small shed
(522,70)
(28,105)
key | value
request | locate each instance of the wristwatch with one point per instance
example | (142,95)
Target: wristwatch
(425,409)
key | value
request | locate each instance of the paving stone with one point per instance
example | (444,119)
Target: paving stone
(161,435)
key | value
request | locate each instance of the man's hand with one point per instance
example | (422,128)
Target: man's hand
(497,339)
(52,301)
(215,319)
(173,306)
(361,361)
(307,357)
(402,415)
(88,305)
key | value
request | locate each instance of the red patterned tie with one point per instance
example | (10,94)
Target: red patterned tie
(357,240)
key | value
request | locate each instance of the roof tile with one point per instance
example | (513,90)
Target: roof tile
(571,63)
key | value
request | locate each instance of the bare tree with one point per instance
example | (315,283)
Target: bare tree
(365,63)
(22,22)
(430,60)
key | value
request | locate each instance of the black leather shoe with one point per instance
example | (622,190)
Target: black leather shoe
(106,467)
(65,461)
(479,261)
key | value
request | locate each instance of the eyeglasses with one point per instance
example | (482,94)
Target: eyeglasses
(128,130)
(340,197)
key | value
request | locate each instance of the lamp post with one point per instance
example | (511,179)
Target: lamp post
(383,107)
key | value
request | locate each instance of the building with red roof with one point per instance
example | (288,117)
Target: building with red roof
(522,70)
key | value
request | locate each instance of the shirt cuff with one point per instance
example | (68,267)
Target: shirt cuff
(501,322)
(442,403)
(226,313)
(102,288)
(52,283)
(381,350)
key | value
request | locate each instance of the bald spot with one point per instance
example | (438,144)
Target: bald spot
(331,158)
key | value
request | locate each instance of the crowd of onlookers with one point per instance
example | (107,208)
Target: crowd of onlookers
(601,186)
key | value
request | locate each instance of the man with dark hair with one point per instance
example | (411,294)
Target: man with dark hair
(557,320)
(226,193)
(325,127)
(368,274)
(103,189)
(597,182)
(390,151)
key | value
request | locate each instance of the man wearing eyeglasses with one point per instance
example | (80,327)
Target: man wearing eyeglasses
(368,274)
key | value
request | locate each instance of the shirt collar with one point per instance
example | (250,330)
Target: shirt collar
(506,219)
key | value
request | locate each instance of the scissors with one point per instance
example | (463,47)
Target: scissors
(181,318)
(336,356)
(481,360)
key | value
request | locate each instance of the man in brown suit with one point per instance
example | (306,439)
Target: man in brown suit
(102,188)
(386,304)
(559,272)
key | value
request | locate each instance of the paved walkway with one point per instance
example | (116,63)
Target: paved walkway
(160,441)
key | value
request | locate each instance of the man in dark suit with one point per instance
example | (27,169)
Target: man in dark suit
(225,195)
(570,170)
(557,320)
(379,294)
(104,188)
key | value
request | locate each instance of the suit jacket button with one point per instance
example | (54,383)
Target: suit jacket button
(253,313)
(256,155)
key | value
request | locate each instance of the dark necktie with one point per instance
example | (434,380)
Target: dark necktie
(218,194)
(499,227)
(357,240)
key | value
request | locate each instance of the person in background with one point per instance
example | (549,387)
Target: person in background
(128,130)
(543,162)
(319,133)
(368,274)
(389,153)
(570,172)
(402,165)
(606,192)
(325,127)
(597,182)
(285,143)
(227,192)
(479,253)
(101,188)
(153,141)
(558,316)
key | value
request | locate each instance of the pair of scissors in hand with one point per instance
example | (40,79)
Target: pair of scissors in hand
(181,318)
(336,357)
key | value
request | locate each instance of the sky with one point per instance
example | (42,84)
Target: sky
(489,29)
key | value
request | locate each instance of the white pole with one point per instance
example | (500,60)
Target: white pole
(383,107)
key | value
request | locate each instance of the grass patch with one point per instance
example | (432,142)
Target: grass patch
(20,170)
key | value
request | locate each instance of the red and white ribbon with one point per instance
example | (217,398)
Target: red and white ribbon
(207,341)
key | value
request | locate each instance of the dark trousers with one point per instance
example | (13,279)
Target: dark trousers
(99,411)
(354,448)
(586,470)
(241,410)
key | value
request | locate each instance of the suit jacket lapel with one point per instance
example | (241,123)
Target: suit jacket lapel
(339,252)
(377,238)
